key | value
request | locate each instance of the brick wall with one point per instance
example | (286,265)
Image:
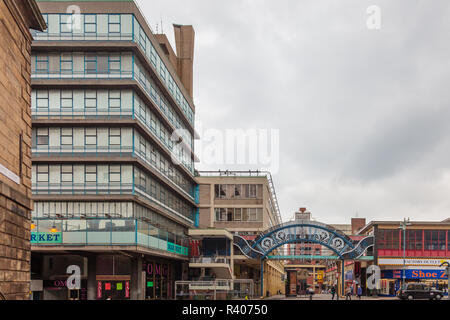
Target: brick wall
(15,149)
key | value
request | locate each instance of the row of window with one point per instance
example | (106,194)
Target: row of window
(415,239)
(86,136)
(239,214)
(238,191)
(88,174)
(114,100)
(89,26)
(102,209)
(156,190)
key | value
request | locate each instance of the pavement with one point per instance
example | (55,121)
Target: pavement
(327,297)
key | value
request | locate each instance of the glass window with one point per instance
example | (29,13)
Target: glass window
(66,136)
(91,173)
(91,136)
(114,136)
(113,23)
(42,100)
(66,60)
(90,23)
(115,63)
(237,214)
(66,97)
(114,97)
(67,173)
(90,61)
(102,63)
(90,99)
(42,173)
(252,191)
(114,173)
(66,23)
(42,136)
(42,63)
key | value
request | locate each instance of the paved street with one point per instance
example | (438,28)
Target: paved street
(326,297)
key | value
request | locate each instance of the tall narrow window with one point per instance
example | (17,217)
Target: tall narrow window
(90,99)
(114,62)
(42,63)
(67,173)
(91,136)
(91,173)
(113,23)
(42,173)
(114,173)
(66,60)
(67,136)
(114,136)
(114,97)
(66,23)
(42,100)
(90,23)
(42,136)
(66,99)
(90,63)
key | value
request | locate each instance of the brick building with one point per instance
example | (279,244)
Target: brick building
(17,17)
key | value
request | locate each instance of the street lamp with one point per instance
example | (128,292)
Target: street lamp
(403,225)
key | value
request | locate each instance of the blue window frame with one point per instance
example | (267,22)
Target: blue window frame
(66,99)
(66,62)
(66,23)
(45,16)
(90,63)
(90,137)
(115,173)
(90,99)
(42,64)
(153,56)
(115,99)
(90,173)
(114,23)
(66,173)
(66,137)
(115,64)
(42,99)
(90,23)
(115,136)
(142,39)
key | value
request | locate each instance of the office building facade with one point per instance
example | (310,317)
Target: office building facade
(113,160)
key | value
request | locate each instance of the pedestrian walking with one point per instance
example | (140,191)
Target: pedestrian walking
(359,292)
(348,293)
(333,292)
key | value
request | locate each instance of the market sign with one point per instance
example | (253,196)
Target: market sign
(46,237)
(411,262)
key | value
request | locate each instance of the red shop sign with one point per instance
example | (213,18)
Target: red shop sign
(99,290)
(127,289)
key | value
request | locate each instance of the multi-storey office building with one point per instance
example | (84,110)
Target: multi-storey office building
(113,161)
(17,17)
(242,203)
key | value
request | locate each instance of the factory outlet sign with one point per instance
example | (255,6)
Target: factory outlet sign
(414,274)
(411,262)
(46,237)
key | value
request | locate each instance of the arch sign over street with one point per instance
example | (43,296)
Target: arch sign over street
(303,231)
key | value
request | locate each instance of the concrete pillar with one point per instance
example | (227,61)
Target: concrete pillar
(136,285)
(92,277)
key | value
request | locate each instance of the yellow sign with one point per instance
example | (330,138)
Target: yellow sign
(320,275)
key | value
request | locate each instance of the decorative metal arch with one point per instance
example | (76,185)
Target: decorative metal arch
(303,231)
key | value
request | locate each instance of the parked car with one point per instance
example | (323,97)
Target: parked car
(413,291)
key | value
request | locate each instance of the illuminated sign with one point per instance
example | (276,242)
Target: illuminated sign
(46,237)
(415,274)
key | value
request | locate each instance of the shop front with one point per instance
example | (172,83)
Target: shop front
(391,279)
(159,279)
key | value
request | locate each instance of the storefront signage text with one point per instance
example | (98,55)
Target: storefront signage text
(45,237)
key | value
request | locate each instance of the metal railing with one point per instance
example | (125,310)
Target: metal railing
(210,260)
(86,74)
(105,232)
(44,36)
(215,290)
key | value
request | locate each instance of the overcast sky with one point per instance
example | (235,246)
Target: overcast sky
(363,114)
